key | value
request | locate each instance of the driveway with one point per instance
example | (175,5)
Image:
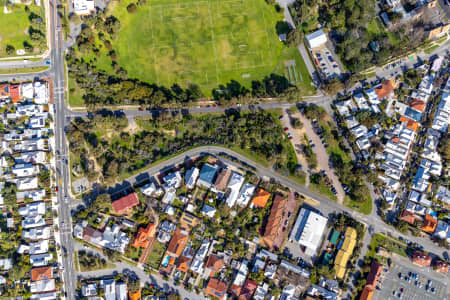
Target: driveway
(322,156)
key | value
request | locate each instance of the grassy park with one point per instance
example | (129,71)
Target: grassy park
(15,24)
(207,43)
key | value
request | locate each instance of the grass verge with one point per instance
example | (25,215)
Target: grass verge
(23,70)
(363,207)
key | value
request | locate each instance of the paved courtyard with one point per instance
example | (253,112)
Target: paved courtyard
(391,285)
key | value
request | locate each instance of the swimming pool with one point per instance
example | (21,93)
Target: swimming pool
(165,261)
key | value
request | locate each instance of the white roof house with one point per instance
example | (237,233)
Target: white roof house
(41,93)
(39,260)
(426,84)
(114,239)
(121,291)
(42,286)
(25,170)
(37,121)
(39,247)
(28,90)
(28,183)
(443,194)
(351,122)
(172,180)
(83,7)
(191,177)
(198,262)
(363,143)
(40,233)
(151,189)
(234,185)
(33,221)
(30,145)
(89,290)
(359,131)
(208,210)
(109,286)
(442,115)
(261,291)
(246,194)
(308,230)
(346,107)
(44,296)
(36,157)
(32,209)
(361,101)
(35,195)
(316,39)
(373,97)
(241,274)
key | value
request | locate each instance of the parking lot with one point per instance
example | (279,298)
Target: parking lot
(406,287)
(326,63)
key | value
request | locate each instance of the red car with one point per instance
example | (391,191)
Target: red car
(286,129)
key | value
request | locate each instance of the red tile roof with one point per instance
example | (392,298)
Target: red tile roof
(125,203)
(418,105)
(421,259)
(374,274)
(276,226)
(216,288)
(14,92)
(408,217)
(42,273)
(178,242)
(429,224)
(386,88)
(214,263)
(248,289)
(367,293)
(144,235)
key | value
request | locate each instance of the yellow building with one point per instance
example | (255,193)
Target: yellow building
(344,254)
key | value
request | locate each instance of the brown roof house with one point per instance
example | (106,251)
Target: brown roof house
(216,288)
(43,273)
(177,243)
(125,203)
(213,265)
(277,224)
(222,179)
(372,280)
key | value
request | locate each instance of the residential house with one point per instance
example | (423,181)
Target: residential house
(125,203)
(39,260)
(177,243)
(429,224)
(198,262)
(234,185)
(191,177)
(222,179)
(172,180)
(89,290)
(121,291)
(151,189)
(248,289)
(246,194)
(185,260)
(188,220)
(260,198)
(208,210)
(28,183)
(144,236)
(441,266)
(109,288)
(42,273)
(216,288)
(42,286)
(345,107)
(213,265)
(239,278)
(261,291)
(83,7)
(4,91)
(207,175)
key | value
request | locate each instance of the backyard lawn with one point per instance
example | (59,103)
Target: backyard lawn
(207,43)
(154,260)
(14,26)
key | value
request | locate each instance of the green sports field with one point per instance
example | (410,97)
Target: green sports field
(14,25)
(206,42)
